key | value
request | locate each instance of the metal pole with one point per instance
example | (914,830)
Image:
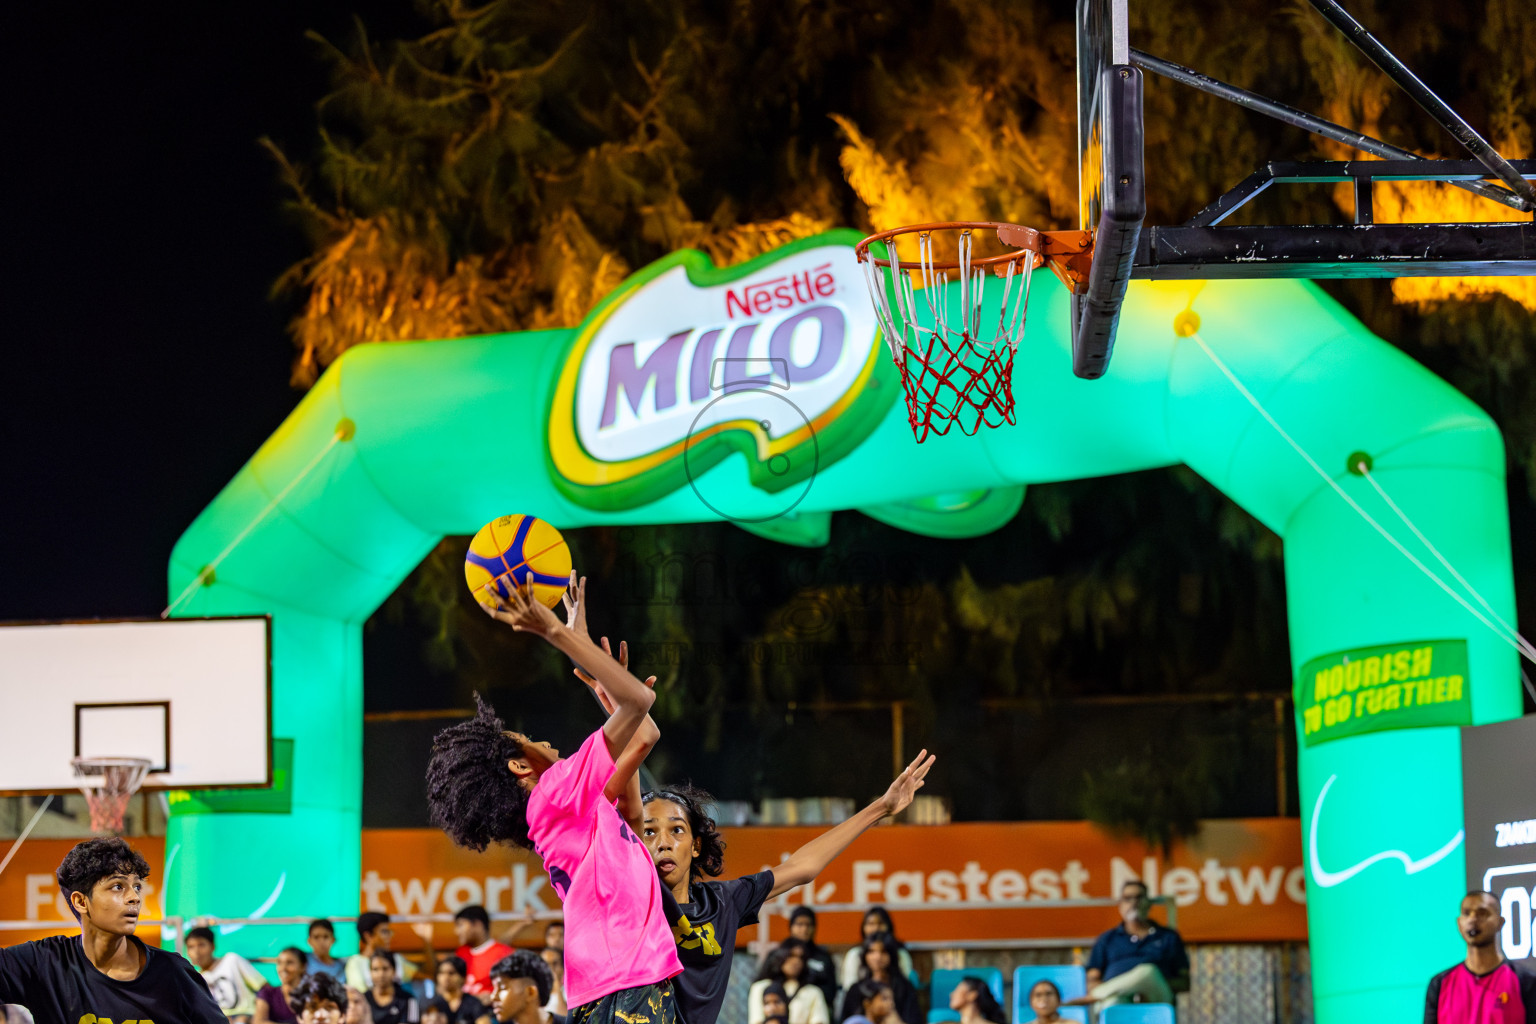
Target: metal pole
(1309,122)
(898,738)
(1425,97)
(1281,796)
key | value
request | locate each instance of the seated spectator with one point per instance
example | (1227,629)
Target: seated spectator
(877,963)
(1484,988)
(522,988)
(388,1002)
(554,957)
(976,1004)
(774,1002)
(872,1004)
(1045,1002)
(820,968)
(436,1011)
(472,926)
(1135,958)
(804,1003)
(876,921)
(462,1007)
(374,934)
(274,1002)
(322,936)
(321,999)
(554,935)
(231,978)
(357,1007)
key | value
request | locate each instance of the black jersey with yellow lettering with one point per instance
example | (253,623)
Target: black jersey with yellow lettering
(705,946)
(52,978)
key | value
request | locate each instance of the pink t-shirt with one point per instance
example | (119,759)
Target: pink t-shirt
(616,936)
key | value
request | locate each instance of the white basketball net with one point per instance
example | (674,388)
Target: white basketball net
(956,366)
(107,784)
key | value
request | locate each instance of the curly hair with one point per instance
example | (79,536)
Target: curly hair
(91,861)
(693,800)
(318,988)
(471,794)
(526,964)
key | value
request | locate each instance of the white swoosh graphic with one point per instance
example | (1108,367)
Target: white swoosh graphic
(1328,879)
(261,911)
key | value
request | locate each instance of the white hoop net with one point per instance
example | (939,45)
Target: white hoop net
(956,360)
(107,784)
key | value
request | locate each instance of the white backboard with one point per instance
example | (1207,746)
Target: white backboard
(194,696)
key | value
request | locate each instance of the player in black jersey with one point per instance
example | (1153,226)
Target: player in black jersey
(106,973)
(686,846)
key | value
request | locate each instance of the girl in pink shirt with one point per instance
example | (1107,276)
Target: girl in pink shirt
(486,784)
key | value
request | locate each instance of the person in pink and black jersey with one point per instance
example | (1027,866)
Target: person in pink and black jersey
(581,815)
(1484,988)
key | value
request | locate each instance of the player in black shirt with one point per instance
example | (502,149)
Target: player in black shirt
(106,973)
(685,846)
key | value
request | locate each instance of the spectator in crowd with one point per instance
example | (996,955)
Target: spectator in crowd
(357,1007)
(820,967)
(976,1004)
(522,983)
(554,958)
(321,999)
(1135,958)
(877,962)
(462,1007)
(374,935)
(1484,988)
(774,1004)
(876,920)
(872,1003)
(472,926)
(554,935)
(388,1002)
(274,1003)
(435,1011)
(785,967)
(322,936)
(230,977)
(1045,1002)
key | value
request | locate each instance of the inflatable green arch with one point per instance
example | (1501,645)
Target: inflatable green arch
(762,392)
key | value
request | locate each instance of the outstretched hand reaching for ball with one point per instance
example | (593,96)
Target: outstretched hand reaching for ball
(524,612)
(899,796)
(597,687)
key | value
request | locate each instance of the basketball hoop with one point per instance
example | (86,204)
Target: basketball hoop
(108,783)
(954,352)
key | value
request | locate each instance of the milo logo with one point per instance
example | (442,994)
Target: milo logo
(778,359)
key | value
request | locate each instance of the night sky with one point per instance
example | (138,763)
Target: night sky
(144,361)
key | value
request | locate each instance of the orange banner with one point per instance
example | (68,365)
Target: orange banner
(1239,881)
(29,890)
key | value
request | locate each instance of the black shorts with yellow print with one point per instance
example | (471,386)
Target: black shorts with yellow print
(647,1004)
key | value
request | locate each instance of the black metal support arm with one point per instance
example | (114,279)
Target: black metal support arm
(1309,122)
(1203,248)
(1425,97)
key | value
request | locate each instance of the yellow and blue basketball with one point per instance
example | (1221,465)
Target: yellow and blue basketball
(507,551)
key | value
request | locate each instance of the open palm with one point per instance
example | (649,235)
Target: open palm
(900,795)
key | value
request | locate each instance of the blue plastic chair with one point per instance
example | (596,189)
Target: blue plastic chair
(1137,1013)
(1070,979)
(943,982)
